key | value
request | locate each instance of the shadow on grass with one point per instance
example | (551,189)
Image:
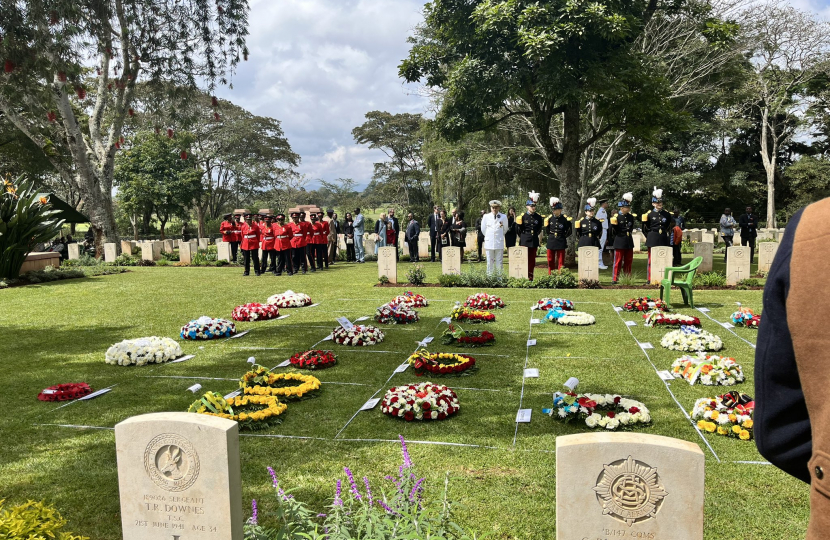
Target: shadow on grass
(49,342)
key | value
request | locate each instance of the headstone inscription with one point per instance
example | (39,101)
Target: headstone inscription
(705,250)
(766,254)
(223,251)
(423,245)
(588,263)
(186,252)
(517,262)
(126,247)
(451,260)
(110,252)
(74,251)
(737,264)
(661,258)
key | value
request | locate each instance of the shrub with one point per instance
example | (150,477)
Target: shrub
(687,247)
(710,279)
(34,520)
(144,262)
(748,283)
(634,278)
(172,257)
(519,283)
(416,275)
(562,279)
(589,284)
(449,280)
(383,280)
(163,262)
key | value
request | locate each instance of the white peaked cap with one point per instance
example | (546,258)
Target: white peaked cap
(592,201)
(554,200)
(533,196)
(657,193)
(628,196)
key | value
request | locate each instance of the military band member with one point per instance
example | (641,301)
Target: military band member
(228,230)
(250,244)
(622,226)
(308,231)
(558,228)
(298,244)
(282,243)
(589,228)
(529,225)
(657,225)
(318,240)
(324,240)
(268,248)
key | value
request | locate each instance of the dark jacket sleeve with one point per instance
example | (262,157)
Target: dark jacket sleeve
(782,426)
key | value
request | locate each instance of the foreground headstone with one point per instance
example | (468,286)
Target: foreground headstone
(223,251)
(451,260)
(588,263)
(705,250)
(628,485)
(110,252)
(126,247)
(186,253)
(661,258)
(766,254)
(517,262)
(73,251)
(387,266)
(737,264)
(179,477)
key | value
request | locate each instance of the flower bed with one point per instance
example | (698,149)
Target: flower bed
(441,363)
(141,351)
(691,339)
(546,304)
(358,336)
(207,328)
(255,312)
(708,370)
(424,401)
(570,318)
(658,318)
(483,301)
(395,314)
(729,415)
(472,315)
(745,317)
(251,412)
(645,303)
(467,338)
(410,299)
(64,392)
(620,412)
(314,359)
(290,299)
(263,382)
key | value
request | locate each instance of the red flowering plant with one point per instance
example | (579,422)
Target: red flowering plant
(255,312)
(65,392)
(441,363)
(645,303)
(467,338)
(313,359)
(396,314)
(410,299)
(424,401)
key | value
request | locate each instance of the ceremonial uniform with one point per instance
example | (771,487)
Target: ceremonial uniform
(622,226)
(749,232)
(325,241)
(282,243)
(298,246)
(319,240)
(268,247)
(308,232)
(250,246)
(657,225)
(588,232)
(529,226)
(231,234)
(558,229)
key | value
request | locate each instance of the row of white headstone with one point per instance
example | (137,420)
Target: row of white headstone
(150,251)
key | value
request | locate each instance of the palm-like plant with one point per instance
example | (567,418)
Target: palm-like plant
(26,219)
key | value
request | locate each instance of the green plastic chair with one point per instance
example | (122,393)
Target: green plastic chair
(685,285)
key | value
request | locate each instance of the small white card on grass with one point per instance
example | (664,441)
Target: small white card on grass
(195,388)
(233,394)
(446,320)
(630,323)
(182,359)
(531,372)
(531,342)
(665,375)
(523,416)
(535,321)
(95,394)
(427,340)
(646,345)
(361,319)
(345,323)
(727,325)
(240,334)
(617,308)
(401,368)
(703,310)
(369,405)
(284,364)
(48,391)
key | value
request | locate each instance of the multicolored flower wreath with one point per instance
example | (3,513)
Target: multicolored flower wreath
(483,301)
(658,318)
(291,386)
(410,299)
(208,328)
(729,415)
(396,314)
(64,392)
(357,336)
(570,318)
(620,412)
(251,412)
(467,338)
(691,339)
(645,303)
(441,363)
(256,312)
(547,304)
(708,370)
(424,401)
(745,317)
(290,299)
(313,359)
(472,315)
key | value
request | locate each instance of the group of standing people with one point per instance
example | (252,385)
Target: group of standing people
(748,225)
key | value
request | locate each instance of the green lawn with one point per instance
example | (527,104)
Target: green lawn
(503,477)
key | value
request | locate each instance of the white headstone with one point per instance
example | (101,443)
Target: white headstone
(696,236)
(517,262)
(387,266)
(471,239)
(764,234)
(423,244)
(637,242)
(705,250)
(707,237)
(110,252)
(687,235)
(368,244)
(661,258)
(175,243)
(588,263)
(628,485)
(737,264)
(167,246)
(150,251)
(179,477)
(223,251)
(74,251)
(451,260)
(186,252)
(736,239)
(766,254)
(126,247)
(203,243)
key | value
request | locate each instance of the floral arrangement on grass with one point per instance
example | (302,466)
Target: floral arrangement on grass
(658,318)
(645,303)
(255,312)
(208,328)
(467,338)
(729,415)
(410,299)
(141,351)
(65,392)
(313,359)
(251,412)
(483,301)
(290,299)
(357,336)
(691,339)
(424,361)
(424,401)
(260,381)
(570,318)
(547,304)
(472,315)
(745,317)
(396,314)
(620,412)
(708,370)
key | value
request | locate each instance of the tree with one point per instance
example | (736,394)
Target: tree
(48,46)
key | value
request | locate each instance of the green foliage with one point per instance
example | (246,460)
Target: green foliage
(474,277)
(416,275)
(33,521)
(710,279)
(634,278)
(383,280)
(589,284)
(748,283)
(56,274)
(687,247)
(204,257)
(558,279)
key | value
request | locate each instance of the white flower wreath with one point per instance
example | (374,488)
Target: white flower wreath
(141,351)
(691,339)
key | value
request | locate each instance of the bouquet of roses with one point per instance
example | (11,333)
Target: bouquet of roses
(290,299)
(619,412)
(141,351)
(424,401)
(472,315)
(745,317)
(410,299)
(395,314)
(570,318)
(483,301)
(546,304)
(645,303)
(691,339)
(708,370)
(255,312)
(467,338)
(313,359)
(729,415)
(64,392)
(440,363)
(207,328)
(658,318)
(357,336)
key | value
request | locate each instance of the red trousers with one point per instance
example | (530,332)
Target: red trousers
(648,272)
(556,259)
(531,261)
(622,261)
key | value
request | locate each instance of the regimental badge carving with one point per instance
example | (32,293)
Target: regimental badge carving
(630,491)
(171,462)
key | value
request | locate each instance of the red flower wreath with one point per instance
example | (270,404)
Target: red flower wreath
(65,392)
(314,359)
(645,303)
(255,312)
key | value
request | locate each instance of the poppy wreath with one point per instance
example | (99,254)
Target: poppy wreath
(472,315)
(745,317)
(424,401)
(708,370)
(645,303)
(395,314)
(620,412)
(410,299)
(251,412)
(467,338)
(290,299)
(255,312)
(441,363)
(65,392)
(729,415)
(313,359)
(261,381)
(483,301)
(207,328)
(357,336)
(554,303)
(658,318)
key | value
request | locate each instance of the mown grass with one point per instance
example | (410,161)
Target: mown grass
(58,332)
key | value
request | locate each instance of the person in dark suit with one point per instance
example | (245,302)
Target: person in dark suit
(511,234)
(432,223)
(479,235)
(394,225)
(444,226)
(657,224)
(749,231)
(413,230)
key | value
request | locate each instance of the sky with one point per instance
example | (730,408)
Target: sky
(318,66)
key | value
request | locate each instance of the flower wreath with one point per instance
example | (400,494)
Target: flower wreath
(621,412)
(570,318)
(207,328)
(745,317)
(658,318)
(64,392)
(691,339)
(141,351)
(729,415)
(547,304)
(358,336)
(467,338)
(483,301)
(251,412)
(396,314)
(424,401)
(314,359)
(290,299)
(472,315)
(708,370)
(261,381)
(441,363)
(255,312)
(645,303)
(410,299)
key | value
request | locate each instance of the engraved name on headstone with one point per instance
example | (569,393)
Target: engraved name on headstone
(737,264)
(387,266)
(517,262)
(451,260)
(661,258)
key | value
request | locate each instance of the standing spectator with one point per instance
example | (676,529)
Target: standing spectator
(348,237)
(380,232)
(602,216)
(727,229)
(334,230)
(530,225)
(413,230)
(459,233)
(676,245)
(359,229)
(454,216)
(432,222)
(512,231)
(559,229)
(749,231)
(479,235)
(493,227)
(679,220)
(444,225)
(393,225)
(657,225)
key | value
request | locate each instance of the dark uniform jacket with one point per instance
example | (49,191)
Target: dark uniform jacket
(749,225)
(529,227)
(589,231)
(622,225)
(657,225)
(558,229)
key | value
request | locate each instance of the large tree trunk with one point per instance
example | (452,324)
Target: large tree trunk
(769,152)
(163,224)
(568,170)
(200,218)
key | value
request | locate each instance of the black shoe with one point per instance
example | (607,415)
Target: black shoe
(613,283)
(279,273)
(304,272)
(313,270)
(258,274)
(246,274)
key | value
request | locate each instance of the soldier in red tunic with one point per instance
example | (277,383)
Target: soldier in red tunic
(325,240)
(308,230)
(268,249)
(282,243)
(230,233)
(298,243)
(250,244)
(317,237)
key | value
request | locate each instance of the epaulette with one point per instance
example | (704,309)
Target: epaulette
(578,224)
(519,219)
(645,218)
(547,220)
(614,220)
